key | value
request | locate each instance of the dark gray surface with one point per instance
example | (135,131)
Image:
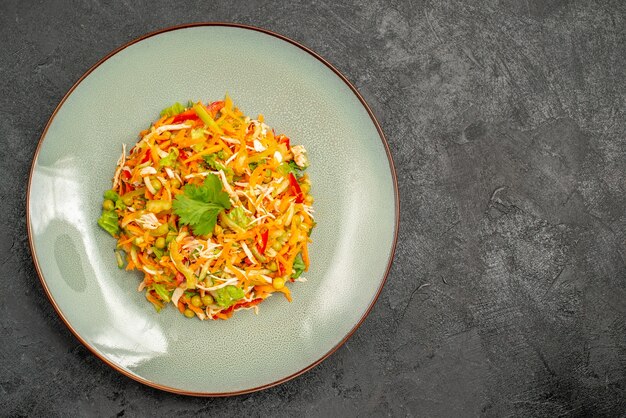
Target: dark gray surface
(507,125)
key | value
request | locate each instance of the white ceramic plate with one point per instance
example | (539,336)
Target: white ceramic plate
(354,185)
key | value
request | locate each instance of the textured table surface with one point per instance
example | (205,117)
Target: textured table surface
(507,124)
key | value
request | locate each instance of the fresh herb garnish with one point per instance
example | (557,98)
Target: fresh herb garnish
(199,206)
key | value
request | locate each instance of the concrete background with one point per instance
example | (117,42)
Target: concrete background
(506,120)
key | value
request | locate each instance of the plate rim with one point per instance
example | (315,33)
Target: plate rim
(141,379)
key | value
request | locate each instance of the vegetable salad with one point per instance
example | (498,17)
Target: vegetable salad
(214,208)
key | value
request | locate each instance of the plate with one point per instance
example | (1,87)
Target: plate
(354,184)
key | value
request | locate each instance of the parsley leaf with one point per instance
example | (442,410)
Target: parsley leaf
(199,206)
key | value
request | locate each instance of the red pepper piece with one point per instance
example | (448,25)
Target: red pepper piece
(295,188)
(240,305)
(243,305)
(186,115)
(251,303)
(263,245)
(215,107)
(146,157)
(282,139)
(179,277)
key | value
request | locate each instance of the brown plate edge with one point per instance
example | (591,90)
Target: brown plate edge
(284,379)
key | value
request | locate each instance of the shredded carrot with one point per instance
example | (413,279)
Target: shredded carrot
(199,155)
(284,204)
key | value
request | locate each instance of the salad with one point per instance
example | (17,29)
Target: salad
(214,209)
